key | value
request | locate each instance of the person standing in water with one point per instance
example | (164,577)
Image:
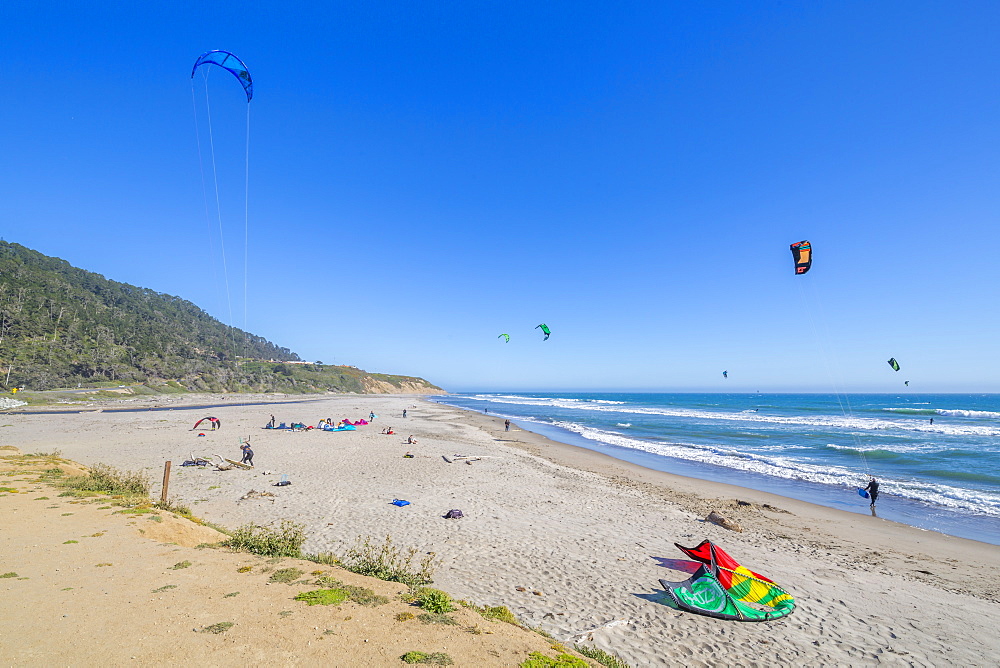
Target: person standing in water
(872,490)
(404,412)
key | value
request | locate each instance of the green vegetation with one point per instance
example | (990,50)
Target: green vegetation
(11,574)
(106,479)
(539,660)
(433,600)
(385,561)
(360,595)
(180,564)
(61,326)
(231,594)
(600,656)
(218,628)
(434,659)
(323,597)
(286,575)
(500,613)
(285,541)
(69,542)
(163,589)
(405,616)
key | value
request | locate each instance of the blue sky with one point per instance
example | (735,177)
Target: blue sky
(423,178)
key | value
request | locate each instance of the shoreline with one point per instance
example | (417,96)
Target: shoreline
(919,514)
(569,539)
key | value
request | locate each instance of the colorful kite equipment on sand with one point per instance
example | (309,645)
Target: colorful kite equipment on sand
(893,363)
(802,252)
(231,64)
(722,588)
(505,337)
(545,330)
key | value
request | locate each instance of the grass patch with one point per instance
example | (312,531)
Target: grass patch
(436,618)
(539,660)
(325,558)
(600,656)
(323,597)
(133,511)
(180,564)
(42,498)
(98,534)
(286,575)
(70,542)
(405,616)
(385,561)
(231,594)
(500,613)
(66,514)
(220,627)
(10,490)
(433,600)
(285,541)
(163,589)
(433,659)
(360,595)
(110,480)
(11,574)
(244,569)
(106,563)
(214,487)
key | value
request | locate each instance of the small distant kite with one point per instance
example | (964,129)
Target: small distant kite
(802,253)
(231,64)
(906,382)
(545,330)
(893,363)
(505,337)
(725,374)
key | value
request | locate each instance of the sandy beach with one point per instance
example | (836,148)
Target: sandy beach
(570,540)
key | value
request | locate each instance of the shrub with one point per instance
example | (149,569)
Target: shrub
(285,541)
(433,600)
(387,562)
(600,656)
(436,618)
(500,613)
(221,627)
(110,480)
(360,595)
(180,564)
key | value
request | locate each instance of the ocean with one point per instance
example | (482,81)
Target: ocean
(937,457)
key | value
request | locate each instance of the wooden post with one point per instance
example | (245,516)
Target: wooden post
(166,481)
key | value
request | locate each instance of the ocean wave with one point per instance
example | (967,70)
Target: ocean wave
(624,424)
(955,498)
(830,421)
(967,413)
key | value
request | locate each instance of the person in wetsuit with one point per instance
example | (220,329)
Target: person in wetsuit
(872,490)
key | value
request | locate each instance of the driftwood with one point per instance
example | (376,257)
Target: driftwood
(716,518)
(254,494)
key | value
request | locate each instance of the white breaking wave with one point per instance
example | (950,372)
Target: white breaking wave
(827,421)
(965,413)
(974,501)
(625,424)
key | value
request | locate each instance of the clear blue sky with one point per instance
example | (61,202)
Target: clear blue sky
(425,176)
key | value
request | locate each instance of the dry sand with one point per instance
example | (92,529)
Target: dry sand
(570,540)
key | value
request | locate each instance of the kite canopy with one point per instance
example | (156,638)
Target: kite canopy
(545,330)
(893,363)
(214,421)
(725,374)
(505,337)
(231,64)
(721,588)
(802,252)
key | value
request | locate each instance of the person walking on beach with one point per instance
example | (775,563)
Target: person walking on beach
(247,453)
(371,416)
(271,424)
(872,490)
(404,412)
(506,425)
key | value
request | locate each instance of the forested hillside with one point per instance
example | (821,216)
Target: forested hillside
(61,326)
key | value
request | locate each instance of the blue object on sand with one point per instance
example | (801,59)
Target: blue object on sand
(400,502)
(862,493)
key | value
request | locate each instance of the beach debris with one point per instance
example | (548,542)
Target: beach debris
(446,459)
(454,514)
(220,465)
(722,588)
(610,625)
(520,589)
(399,502)
(284,482)
(716,518)
(254,494)
(537,593)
